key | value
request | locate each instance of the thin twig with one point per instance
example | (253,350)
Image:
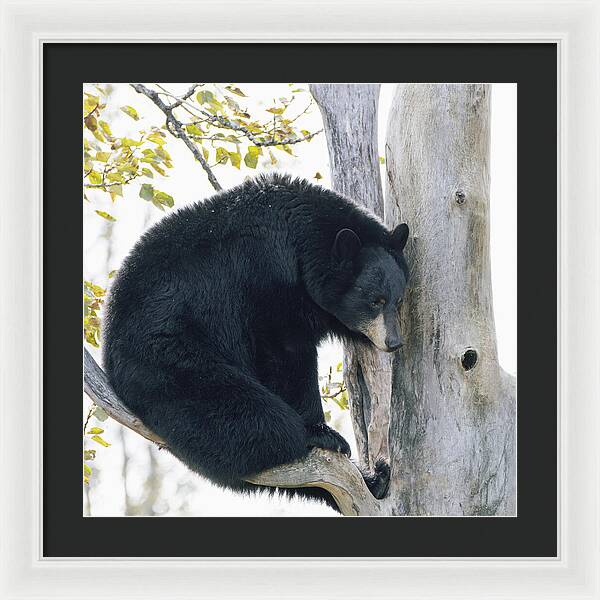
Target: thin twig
(176,128)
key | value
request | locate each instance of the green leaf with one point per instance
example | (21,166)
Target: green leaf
(147,192)
(251,160)
(96,290)
(115,190)
(235,90)
(100,413)
(255,150)
(89,454)
(222,155)
(157,138)
(95,430)
(95,178)
(164,198)
(105,128)
(127,142)
(381,160)
(90,103)
(98,135)
(338,367)
(235,158)
(129,110)
(102,156)
(147,172)
(112,273)
(115,178)
(205,97)
(158,169)
(276,111)
(105,215)
(160,151)
(193,130)
(100,441)
(87,470)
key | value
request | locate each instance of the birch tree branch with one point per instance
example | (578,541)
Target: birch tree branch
(320,468)
(176,128)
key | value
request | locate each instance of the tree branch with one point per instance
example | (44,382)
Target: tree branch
(228,124)
(96,386)
(320,468)
(176,128)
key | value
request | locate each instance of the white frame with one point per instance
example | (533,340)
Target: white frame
(27,24)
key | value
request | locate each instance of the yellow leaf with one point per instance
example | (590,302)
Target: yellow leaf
(100,441)
(129,110)
(318,176)
(235,90)
(157,138)
(105,128)
(105,215)
(95,177)
(96,430)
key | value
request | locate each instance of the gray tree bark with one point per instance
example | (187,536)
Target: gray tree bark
(453,408)
(350,123)
(452,430)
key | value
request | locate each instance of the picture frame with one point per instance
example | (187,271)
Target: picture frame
(572,26)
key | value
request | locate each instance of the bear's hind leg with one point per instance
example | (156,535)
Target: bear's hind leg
(232,427)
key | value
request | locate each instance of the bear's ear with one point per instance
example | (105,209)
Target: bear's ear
(399,237)
(347,245)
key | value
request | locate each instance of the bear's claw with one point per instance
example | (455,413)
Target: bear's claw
(322,436)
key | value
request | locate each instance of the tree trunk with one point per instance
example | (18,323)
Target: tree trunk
(350,123)
(452,431)
(453,408)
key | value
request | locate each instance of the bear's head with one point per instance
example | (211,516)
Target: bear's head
(375,286)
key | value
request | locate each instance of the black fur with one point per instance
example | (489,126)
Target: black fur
(214,319)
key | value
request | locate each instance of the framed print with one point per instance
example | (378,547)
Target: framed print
(394,257)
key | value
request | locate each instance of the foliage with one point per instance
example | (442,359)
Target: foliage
(94,434)
(93,299)
(211,120)
(333,389)
(111,162)
(227,134)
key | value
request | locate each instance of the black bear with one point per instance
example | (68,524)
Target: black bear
(214,318)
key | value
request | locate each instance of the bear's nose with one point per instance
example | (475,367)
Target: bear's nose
(393,342)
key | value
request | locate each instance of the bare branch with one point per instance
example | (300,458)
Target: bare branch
(97,387)
(328,470)
(180,101)
(320,468)
(176,128)
(229,124)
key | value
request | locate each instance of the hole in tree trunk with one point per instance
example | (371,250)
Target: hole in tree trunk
(469,359)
